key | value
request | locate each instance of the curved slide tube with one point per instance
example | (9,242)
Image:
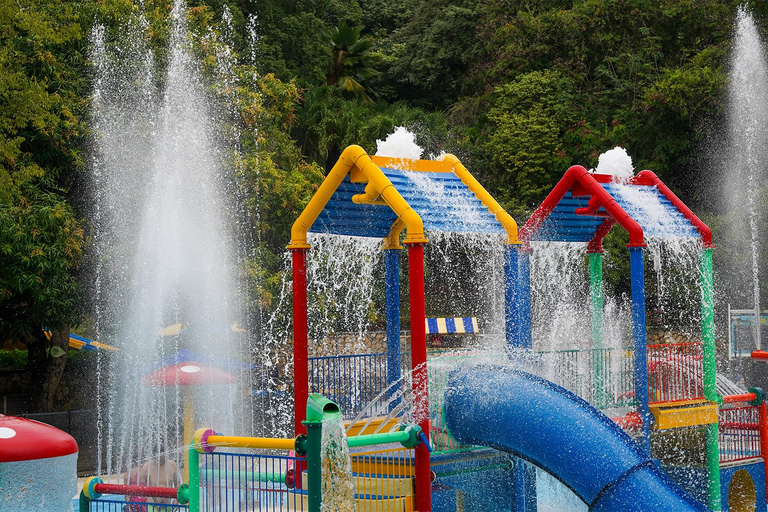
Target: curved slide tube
(554,429)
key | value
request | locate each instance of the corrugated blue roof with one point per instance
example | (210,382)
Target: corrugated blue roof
(563,225)
(442,201)
(645,204)
(649,208)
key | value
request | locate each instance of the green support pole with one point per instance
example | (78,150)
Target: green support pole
(596,316)
(194,479)
(314,465)
(710,392)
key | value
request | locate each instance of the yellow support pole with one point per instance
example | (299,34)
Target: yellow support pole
(189,427)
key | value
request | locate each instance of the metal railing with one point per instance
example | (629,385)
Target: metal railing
(351,381)
(604,377)
(113,505)
(739,433)
(383,479)
(234,482)
(675,372)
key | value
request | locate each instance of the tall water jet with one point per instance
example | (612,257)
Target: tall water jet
(166,252)
(748,149)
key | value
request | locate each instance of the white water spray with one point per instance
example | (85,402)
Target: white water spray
(166,253)
(748,137)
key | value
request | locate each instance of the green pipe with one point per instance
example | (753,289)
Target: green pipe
(318,407)
(84,502)
(246,476)
(382,438)
(193,489)
(407,436)
(596,316)
(596,297)
(710,375)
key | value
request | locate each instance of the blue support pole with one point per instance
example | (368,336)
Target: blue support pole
(524,300)
(529,479)
(517,313)
(637,275)
(392,294)
(511,320)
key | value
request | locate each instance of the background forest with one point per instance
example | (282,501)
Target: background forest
(518,90)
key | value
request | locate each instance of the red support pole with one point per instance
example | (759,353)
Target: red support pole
(300,342)
(764,441)
(420,377)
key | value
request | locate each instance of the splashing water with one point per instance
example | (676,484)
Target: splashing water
(748,140)
(337,484)
(165,252)
(617,163)
(400,144)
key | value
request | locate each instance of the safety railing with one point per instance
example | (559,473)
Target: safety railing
(234,482)
(675,372)
(739,433)
(112,505)
(351,381)
(137,498)
(603,377)
(383,479)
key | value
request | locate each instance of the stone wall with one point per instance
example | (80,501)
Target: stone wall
(352,344)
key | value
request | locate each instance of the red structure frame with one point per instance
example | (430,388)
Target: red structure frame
(583,183)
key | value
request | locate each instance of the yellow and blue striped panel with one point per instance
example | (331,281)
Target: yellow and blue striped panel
(82,343)
(455,325)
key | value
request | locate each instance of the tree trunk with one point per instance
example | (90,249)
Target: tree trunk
(45,372)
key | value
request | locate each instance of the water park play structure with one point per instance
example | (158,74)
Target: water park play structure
(457,433)
(474,433)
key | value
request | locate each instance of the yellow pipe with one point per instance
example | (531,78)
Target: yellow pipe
(321,197)
(355,158)
(266,443)
(380,186)
(392,241)
(368,197)
(506,220)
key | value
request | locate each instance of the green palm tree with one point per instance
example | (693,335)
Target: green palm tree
(352,62)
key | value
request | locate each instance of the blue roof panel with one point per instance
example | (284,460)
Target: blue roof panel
(645,204)
(654,212)
(442,200)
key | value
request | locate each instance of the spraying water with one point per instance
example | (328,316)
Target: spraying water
(617,163)
(399,144)
(166,255)
(748,139)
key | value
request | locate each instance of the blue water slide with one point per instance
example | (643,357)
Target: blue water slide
(559,432)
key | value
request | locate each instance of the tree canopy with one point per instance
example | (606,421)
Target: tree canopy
(518,89)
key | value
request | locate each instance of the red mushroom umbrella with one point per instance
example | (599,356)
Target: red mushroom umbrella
(188,373)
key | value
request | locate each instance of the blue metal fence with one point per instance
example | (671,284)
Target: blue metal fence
(113,504)
(234,482)
(350,381)
(603,377)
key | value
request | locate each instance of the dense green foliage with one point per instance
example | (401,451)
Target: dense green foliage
(518,89)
